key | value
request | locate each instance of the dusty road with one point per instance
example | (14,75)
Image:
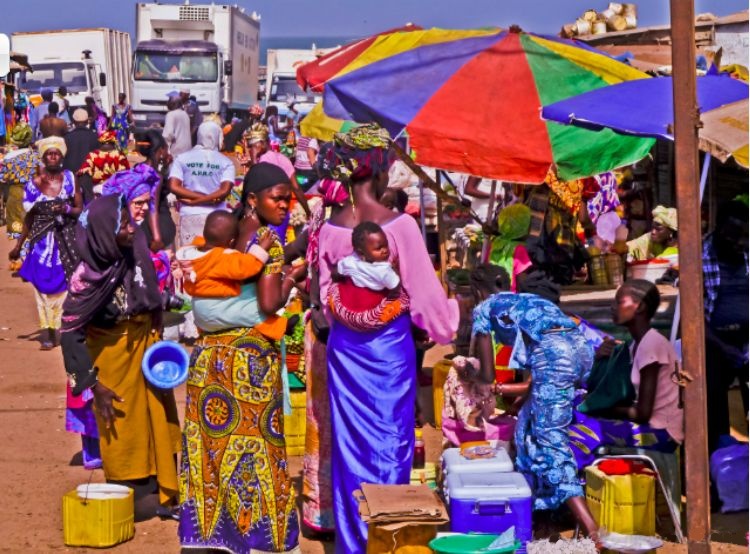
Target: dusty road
(36,450)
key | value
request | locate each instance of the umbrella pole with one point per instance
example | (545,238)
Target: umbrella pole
(686,121)
(428,181)
(422,222)
(441,238)
(490,212)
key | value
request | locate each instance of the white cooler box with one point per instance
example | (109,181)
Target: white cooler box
(453,462)
(490,502)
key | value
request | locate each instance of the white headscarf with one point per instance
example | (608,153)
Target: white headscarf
(210,136)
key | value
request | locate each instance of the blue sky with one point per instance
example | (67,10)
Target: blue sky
(346,18)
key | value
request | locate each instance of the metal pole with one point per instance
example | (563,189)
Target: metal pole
(686,122)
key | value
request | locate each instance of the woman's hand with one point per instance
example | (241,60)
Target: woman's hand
(15,254)
(606,349)
(156,245)
(265,241)
(104,399)
(297,273)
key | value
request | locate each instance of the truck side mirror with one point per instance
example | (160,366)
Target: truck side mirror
(102,79)
(227,67)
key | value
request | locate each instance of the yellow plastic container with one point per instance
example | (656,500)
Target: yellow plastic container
(97,521)
(295,425)
(439,375)
(622,503)
(427,475)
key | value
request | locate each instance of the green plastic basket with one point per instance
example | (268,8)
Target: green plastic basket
(470,544)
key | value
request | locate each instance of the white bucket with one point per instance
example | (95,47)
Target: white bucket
(102,491)
(583,27)
(616,7)
(631,21)
(617,23)
(600,27)
(650,271)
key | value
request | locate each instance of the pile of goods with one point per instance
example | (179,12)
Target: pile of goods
(617,17)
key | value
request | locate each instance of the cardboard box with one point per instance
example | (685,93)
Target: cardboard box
(402,519)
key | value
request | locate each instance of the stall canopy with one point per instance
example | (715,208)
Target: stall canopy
(470,101)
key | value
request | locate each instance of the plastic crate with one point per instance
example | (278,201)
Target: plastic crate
(97,523)
(622,503)
(295,425)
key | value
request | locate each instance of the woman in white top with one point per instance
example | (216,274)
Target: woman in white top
(201,178)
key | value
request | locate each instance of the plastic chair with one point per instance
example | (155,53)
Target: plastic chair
(666,466)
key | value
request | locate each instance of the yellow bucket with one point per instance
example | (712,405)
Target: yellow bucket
(622,503)
(296,424)
(98,515)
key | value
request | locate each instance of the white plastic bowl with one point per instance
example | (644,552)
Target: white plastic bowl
(650,271)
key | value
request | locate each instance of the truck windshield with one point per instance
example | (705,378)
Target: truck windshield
(161,66)
(286,89)
(54,75)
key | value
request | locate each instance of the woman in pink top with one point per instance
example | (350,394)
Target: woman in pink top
(372,374)
(655,420)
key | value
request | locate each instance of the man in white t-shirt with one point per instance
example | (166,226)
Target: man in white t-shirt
(201,179)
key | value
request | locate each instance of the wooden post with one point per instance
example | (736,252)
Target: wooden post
(428,181)
(686,122)
(442,250)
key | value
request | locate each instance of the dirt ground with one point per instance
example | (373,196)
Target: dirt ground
(36,453)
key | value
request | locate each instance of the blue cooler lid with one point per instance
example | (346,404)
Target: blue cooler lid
(487,486)
(453,462)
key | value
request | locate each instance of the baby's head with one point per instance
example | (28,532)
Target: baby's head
(221,229)
(370,243)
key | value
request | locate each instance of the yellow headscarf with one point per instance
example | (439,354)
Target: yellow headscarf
(51,142)
(665,216)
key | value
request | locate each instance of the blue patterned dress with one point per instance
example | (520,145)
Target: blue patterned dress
(547,343)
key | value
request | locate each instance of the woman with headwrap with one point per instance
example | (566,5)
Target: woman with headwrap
(16,169)
(374,432)
(661,241)
(100,165)
(236,493)
(508,247)
(111,316)
(52,202)
(547,344)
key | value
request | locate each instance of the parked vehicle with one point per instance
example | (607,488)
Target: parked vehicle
(281,79)
(212,50)
(88,62)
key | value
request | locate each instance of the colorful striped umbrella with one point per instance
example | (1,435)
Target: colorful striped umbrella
(318,125)
(470,101)
(645,108)
(314,74)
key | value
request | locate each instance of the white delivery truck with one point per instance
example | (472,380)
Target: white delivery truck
(210,50)
(88,62)
(281,79)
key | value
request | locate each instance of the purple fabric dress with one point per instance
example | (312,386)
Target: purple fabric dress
(374,433)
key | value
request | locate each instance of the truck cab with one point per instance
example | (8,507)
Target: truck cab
(283,90)
(82,78)
(161,68)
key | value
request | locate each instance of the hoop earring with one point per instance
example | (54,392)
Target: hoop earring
(250,211)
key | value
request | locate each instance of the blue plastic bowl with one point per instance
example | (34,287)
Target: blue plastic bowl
(165,364)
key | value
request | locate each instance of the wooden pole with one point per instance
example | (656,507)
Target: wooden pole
(429,182)
(686,122)
(443,251)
